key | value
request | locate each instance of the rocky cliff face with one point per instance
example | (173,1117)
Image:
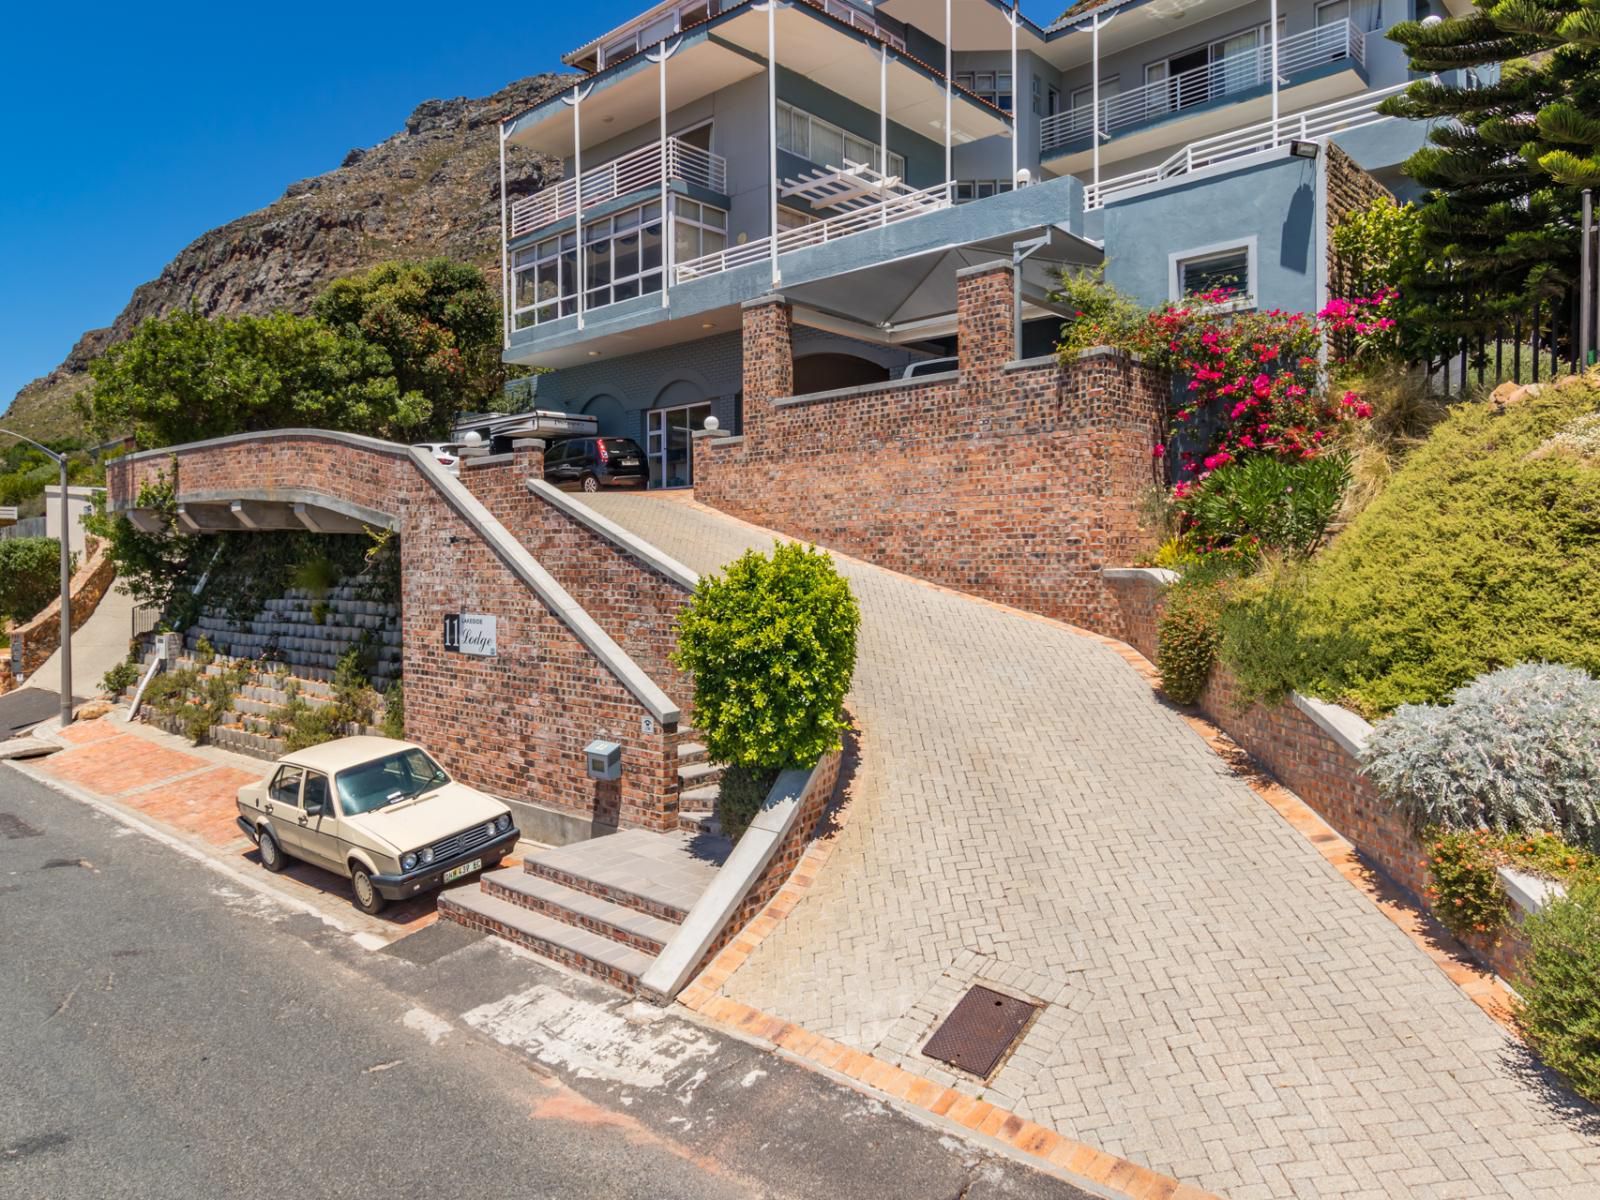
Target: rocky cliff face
(432,188)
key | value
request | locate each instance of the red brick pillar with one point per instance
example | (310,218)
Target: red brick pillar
(985,319)
(528,458)
(768,360)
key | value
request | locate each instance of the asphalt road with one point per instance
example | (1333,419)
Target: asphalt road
(167,1032)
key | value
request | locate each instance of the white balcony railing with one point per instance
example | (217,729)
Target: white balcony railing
(637,169)
(859,220)
(856,19)
(1341,116)
(1338,41)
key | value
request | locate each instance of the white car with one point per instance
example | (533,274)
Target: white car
(446,454)
(378,811)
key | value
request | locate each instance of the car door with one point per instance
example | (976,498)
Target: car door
(318,823)
(557,462)
(282,808)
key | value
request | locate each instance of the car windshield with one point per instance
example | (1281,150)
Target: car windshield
(388,780)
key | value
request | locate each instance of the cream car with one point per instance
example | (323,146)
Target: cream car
(379,811)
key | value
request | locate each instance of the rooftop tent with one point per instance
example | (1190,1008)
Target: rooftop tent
(914,297)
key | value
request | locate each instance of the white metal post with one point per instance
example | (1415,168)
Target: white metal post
(1273,18)
(772,132)
(576,101)
(660,57)
(1094,96)
(505,252)
(883,125)
(1016,92)
(949,170)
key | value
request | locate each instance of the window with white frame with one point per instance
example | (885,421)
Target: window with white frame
(827,144)
(621,260)
(1228,268)
(697,229)
(793,218)
(980,189)
(993,86)
(1365,15)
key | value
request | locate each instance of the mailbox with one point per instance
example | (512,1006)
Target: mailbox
(605,759)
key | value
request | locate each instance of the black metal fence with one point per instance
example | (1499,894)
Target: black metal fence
(1544,345)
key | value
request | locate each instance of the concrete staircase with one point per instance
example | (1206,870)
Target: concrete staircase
(605,907)
(699,786)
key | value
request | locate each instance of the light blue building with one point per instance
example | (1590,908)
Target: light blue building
(853,155)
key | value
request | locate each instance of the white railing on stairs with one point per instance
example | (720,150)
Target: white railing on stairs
(637,169)
(1313,124)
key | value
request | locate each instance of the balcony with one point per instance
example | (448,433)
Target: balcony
(1338,41)
(901,206)
(634,171)
(857,19)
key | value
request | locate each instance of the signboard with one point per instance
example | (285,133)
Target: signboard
(470,633)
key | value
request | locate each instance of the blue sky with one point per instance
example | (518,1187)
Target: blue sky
(132,129)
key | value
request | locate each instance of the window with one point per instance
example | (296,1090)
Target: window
(980,189)
(825,143)
(993,86)
(316,793)
(697,229)
(285,787)
(1230,268)
(1203,73)
(382,781)
(1365,15)
(1081,103)
(621,260)
(789,218)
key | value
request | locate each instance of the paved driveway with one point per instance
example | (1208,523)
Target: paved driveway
(1222,1005)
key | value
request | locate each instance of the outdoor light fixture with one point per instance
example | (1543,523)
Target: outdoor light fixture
(1300,149)
(604,758)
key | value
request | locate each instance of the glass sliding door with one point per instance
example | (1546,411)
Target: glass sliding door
(671,449)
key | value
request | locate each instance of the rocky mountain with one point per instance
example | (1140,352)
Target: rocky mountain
(432,188)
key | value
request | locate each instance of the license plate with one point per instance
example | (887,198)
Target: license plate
(463,869)
(630,462)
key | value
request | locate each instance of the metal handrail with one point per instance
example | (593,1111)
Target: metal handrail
(631,172)
(1341,116)
(1333,42)
(873,216)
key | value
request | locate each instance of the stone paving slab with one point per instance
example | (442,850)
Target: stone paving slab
(1221,1005)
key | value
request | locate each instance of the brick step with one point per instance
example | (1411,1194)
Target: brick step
(639,930)
(700,799)
(707,823)
(690,752)
(624,897)
(698,774)
(584,951)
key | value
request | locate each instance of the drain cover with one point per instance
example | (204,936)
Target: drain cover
(978,1032)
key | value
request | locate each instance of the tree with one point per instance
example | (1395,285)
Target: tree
(185,377)
(439,322)
(1509,150)
(30,577)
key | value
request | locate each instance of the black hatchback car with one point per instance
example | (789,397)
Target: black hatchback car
(592,463)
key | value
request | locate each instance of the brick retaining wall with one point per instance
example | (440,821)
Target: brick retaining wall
(34,641)
(1017,482)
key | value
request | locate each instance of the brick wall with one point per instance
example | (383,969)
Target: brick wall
(514,724)
(1018,483)
(1349,188)
(36,640)
(1308,761)
(635,604)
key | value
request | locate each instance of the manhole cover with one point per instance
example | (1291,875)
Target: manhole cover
(978,1032)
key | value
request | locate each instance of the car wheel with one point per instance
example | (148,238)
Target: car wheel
(271,853)
(590,484)
(368,899)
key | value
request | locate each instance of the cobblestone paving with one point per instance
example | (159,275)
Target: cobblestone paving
(1221,1005)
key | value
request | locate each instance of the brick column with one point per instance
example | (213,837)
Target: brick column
(528,458)
(985,316)
(768,359)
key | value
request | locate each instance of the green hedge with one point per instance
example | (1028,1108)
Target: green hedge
(30,577)
(1482,552)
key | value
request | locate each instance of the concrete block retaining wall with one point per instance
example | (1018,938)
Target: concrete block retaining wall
(286,630)
(1312,748)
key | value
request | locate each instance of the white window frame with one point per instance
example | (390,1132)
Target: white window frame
(789,113)
(985,85)
(981,189)
(700,226)
(552,251)
(1178,259)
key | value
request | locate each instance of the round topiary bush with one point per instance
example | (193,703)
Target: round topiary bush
(771,643)
(1517,750)
(1560,987)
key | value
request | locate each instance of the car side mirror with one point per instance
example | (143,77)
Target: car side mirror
(315,808)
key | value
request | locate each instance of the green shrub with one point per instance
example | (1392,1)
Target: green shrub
(1101,315)
(394,711)
(742,793)
(772,646)
(1188,634)
(354,701)
(1517,751)
(305,725)
(1560,987)
(1270,643)
(30,577)
(120,677)
(1480,553)
(1267,503)
(1465,891)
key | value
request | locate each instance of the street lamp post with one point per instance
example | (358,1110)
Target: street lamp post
(66,577)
